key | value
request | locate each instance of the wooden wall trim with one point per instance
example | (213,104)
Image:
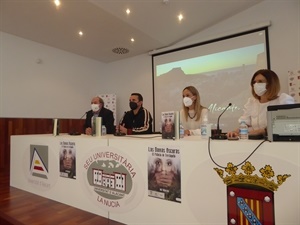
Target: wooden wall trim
(19,126)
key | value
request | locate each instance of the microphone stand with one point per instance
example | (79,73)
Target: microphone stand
(74,133)
(219,135)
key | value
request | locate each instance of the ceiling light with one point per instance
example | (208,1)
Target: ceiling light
(132,39)
(57,2)
(180,17)
(80,33)
(128,11)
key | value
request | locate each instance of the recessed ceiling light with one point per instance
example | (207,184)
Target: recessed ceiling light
(128,11)
(80,33)
(132,39)
(57,2)
(180,17)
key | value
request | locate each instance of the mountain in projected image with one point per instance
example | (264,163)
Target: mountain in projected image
(210,85)
(216,89)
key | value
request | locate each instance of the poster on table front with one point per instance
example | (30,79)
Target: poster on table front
(67,159)
(164,173)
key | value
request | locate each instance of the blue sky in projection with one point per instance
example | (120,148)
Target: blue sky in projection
(213,62)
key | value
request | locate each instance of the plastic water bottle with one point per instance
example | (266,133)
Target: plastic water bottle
(94,125)
(181,130)
(205,128)
(243,130)
(103,130)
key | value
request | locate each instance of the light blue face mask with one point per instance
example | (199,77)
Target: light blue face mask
(187,101)
(95,107)
(260,88)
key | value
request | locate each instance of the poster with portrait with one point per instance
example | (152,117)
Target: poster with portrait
(67,159)
(164,173)
(168,125)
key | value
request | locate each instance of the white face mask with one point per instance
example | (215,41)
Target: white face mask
(187,101)
(95,107)
(260,88)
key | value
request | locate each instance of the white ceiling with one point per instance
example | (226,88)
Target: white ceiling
(152,23)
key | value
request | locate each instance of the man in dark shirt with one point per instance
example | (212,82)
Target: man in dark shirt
(98,110)
(138,120)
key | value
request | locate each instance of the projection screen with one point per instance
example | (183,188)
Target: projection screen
(220,69)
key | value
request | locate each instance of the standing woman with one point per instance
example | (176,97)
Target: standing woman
(192,113)
(265,87)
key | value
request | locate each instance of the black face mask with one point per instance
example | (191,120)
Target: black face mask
(133,105)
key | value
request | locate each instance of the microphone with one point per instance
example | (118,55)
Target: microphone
(218,135)
(74,133)
(83,115)
(118,133)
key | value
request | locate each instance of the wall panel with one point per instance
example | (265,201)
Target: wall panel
(19,126)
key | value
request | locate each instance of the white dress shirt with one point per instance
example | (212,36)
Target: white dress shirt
(191,124)
(255,113)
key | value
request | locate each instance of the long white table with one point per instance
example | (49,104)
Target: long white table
(203,193)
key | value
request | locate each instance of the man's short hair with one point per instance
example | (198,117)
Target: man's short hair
(140,97)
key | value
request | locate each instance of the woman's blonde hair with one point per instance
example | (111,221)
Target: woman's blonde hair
(198,106)
(273,84)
